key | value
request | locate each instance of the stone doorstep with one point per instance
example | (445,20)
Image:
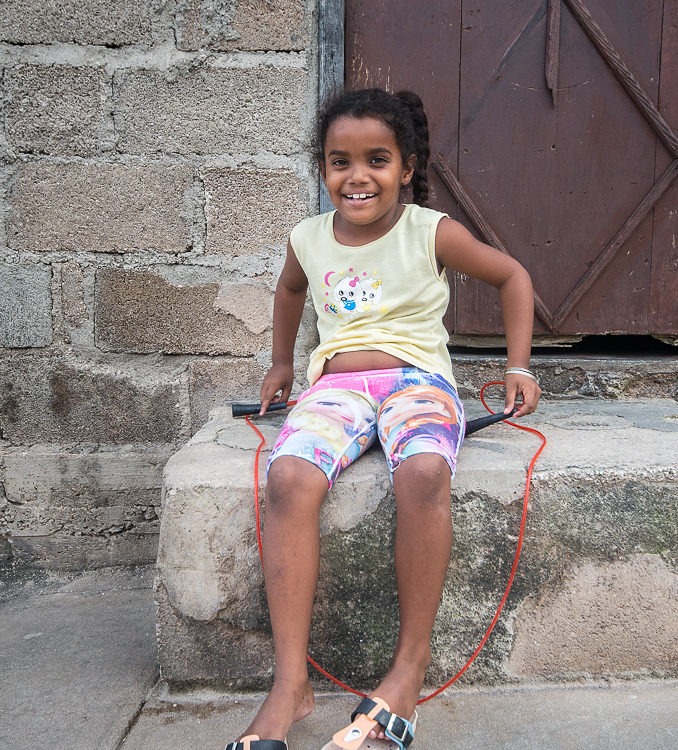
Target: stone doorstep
(596,589)
(572,376)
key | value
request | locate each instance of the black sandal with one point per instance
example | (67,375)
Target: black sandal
(252,742)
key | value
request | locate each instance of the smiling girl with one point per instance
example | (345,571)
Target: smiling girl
(376,272)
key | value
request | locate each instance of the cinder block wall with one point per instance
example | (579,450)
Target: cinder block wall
(152,164)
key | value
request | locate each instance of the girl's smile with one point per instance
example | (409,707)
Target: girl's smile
(363,171)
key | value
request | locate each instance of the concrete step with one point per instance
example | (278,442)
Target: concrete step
(576,375)
(67,508)
(596,593)
(619,716)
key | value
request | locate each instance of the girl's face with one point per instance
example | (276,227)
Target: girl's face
(364,171)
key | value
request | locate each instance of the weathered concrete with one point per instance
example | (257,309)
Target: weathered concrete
(74,510)
(73,307)
(198,315)
(610,610)
(152,169)
(109,22)
(221,380)
(243,25)
(63,399)
(94,632)
(565,376)
(604,501)
(605,717)
(77,657)
(25,305)
(247,209)
(101,208)
(70,115)
(210,110)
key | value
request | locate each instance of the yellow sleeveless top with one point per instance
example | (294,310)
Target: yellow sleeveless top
(385,295)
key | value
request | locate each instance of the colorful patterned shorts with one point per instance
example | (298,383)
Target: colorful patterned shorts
(340,416)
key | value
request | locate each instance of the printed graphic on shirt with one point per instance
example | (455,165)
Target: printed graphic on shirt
(352,293)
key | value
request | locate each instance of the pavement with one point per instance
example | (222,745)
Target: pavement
(79,672)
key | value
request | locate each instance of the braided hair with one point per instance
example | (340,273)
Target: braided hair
(402,112)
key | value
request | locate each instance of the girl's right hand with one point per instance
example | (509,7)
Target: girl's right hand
(277,386)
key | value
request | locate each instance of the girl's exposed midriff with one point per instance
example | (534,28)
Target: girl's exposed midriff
(365,359)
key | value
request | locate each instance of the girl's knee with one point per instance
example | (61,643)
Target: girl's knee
(423,478)
(293,483)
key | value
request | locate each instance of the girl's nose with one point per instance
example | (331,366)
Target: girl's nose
(359,173)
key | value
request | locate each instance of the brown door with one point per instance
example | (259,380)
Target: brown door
(553,131)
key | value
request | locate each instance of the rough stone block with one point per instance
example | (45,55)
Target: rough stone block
(601,519)
(59,500)
(218,381)
(602,377)
(107,22)
(25,306)
(176,310)
(210,110)
(624,611)
(242,25)
(73,304)
(58,109)
(247,209)
(68,552)
(58,399)
(101,208)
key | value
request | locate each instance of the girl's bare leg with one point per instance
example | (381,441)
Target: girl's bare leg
(422,553)
(295,491)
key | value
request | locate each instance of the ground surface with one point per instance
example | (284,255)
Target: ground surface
(77,658)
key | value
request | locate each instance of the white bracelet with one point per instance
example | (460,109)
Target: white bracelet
(521,371)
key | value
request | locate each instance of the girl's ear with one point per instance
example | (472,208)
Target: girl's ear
(408,169)
(321,168)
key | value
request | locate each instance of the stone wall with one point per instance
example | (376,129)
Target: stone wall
(152,162)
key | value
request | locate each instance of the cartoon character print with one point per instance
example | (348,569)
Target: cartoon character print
(353,293)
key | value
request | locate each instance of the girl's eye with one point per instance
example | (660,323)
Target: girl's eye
(378,160)
(339,162)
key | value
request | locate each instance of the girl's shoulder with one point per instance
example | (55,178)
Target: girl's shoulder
(424,214)
(310,233)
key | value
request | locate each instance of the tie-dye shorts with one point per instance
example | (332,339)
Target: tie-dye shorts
(340,416)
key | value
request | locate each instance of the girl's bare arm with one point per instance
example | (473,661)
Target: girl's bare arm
(288,305)
(459,250)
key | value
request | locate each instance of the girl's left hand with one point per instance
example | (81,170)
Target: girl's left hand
(521,386)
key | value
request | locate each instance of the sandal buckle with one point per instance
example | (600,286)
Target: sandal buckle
(403,725)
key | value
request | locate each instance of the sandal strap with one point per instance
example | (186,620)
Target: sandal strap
(257,745)
(395,727)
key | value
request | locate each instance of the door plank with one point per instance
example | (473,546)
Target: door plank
(664,273)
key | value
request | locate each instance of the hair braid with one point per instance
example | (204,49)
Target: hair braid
(421,143)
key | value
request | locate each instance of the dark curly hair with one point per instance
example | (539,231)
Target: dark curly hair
(403,112)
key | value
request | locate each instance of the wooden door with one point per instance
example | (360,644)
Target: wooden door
(553,131)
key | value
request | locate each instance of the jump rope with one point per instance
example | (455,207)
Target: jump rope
(246,410)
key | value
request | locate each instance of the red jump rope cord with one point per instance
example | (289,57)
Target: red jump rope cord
(514,567)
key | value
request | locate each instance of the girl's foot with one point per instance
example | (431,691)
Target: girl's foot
(400,688)
(286,703)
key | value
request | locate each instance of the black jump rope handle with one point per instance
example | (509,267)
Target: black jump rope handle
(242,410)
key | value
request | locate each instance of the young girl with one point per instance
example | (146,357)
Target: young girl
(376,270)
